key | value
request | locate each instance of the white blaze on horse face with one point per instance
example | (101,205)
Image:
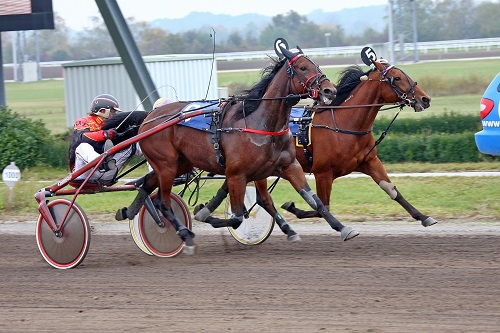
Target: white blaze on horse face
(388,188)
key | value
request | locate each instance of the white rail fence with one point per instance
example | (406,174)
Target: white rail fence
(423,47)
(345,51)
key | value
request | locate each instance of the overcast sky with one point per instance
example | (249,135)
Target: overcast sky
(77,14)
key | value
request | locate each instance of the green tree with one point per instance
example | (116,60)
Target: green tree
(21,140)
(486,15)
(94,42)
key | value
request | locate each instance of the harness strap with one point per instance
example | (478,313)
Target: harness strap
(256,131)
(384,133)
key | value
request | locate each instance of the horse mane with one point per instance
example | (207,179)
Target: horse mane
(252,97)
(348,80)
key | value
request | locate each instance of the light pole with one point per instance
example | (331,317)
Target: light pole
(327,39)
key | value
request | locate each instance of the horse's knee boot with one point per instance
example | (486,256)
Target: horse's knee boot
(137,204)
(308,196)
(203,213)
(217,200)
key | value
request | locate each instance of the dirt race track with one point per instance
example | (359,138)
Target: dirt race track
(394,277)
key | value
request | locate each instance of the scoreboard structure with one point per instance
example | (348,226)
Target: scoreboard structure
(16,15)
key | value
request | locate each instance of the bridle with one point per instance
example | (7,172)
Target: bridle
(402,95)
(311,85)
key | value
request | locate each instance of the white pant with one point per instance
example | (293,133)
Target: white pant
(85,153)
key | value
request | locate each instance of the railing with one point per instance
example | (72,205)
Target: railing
(443,46)
(346,51)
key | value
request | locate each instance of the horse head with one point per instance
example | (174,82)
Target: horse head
(402,87)
(306,75)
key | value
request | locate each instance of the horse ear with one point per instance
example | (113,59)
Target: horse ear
(379,65)
(287,54)
(300,50)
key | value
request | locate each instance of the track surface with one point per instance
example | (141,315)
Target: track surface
(394,277)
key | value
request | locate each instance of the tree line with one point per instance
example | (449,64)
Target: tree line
(436,20)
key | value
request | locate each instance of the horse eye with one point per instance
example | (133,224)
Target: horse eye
(303,68)
(397,78)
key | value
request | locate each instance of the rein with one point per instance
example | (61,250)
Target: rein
(339,130)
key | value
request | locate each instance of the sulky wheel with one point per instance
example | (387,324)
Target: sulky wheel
(69,248)
(164,241)
(257,227)
(136,235)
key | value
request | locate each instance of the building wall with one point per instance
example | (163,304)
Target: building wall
(178,77)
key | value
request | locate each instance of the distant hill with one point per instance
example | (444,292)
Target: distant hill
(353,21)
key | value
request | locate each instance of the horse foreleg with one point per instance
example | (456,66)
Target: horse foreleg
(146,185)
(294,174)
(376,170)
(265,201)
(393,192)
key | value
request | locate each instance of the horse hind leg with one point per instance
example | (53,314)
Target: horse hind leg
(299,213)
(146,185)
(184,233)
(392,191)
(204,212)
(265,201)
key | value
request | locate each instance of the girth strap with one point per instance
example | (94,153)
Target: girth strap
(215,126)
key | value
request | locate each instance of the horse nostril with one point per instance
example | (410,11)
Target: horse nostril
(330,92)
(426,100)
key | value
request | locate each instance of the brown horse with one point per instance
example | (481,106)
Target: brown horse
(252,143)
(341,138)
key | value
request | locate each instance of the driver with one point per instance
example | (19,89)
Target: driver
(88,138)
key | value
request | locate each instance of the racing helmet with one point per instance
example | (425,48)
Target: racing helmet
(161,101)
(103,104)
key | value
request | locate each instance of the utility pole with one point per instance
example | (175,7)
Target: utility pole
(415,37)
(3,102)
(392,57)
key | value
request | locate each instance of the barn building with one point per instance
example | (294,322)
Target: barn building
(178,77)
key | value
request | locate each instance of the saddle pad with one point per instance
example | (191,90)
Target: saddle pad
(202,121)
(296,113)
(294,127)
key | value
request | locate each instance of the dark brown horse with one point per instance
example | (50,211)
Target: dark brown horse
(341,137)
(254,143)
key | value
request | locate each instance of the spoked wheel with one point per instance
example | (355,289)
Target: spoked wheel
(70,248)
(257,227)
(164,241)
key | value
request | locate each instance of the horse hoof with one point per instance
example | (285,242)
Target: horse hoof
(348,233)
(288,205)
(121,214)
(197,208)
(189,250)
(428,222)
(294,238)
(202,214)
